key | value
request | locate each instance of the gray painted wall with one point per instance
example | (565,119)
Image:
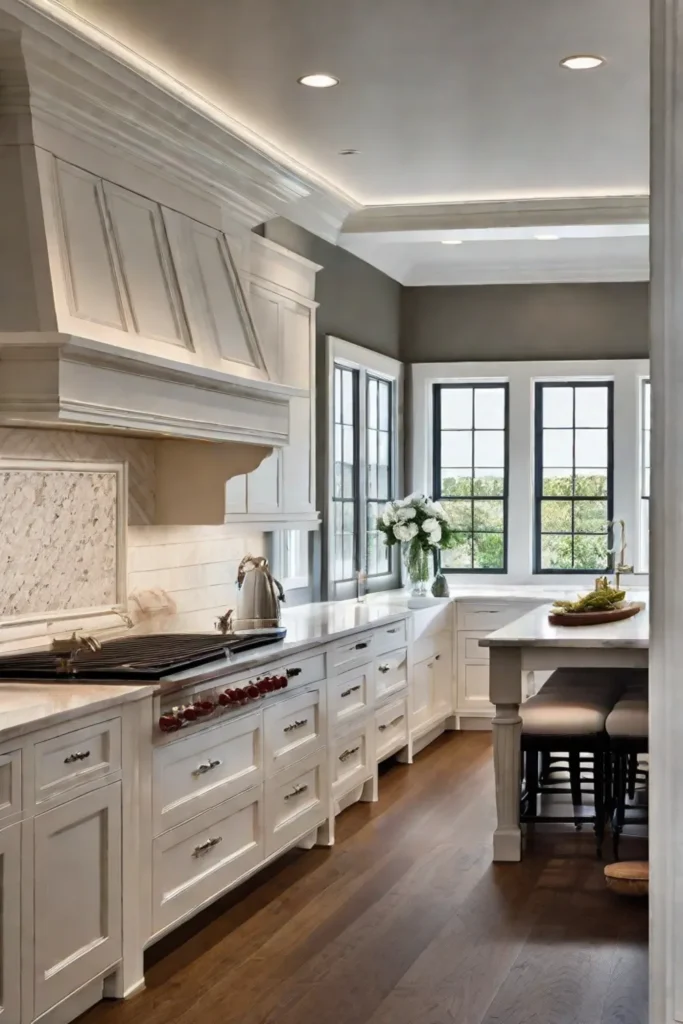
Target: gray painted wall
(534,321)
(357,302)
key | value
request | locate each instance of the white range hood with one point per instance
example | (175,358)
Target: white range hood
(121,300)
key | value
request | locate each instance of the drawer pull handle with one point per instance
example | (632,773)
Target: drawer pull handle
(391,724)
(384,668)
(291,672)
(202,769)
(79,755)
(352,689)
(394,630)
(295,792)
(203,848)
(348,753)
(296,725)
(361,646)
(437,657)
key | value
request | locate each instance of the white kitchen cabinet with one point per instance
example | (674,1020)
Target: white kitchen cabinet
(10,924)
(432,686)
(76,894)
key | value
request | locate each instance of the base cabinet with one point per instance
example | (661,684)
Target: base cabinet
(77,894)
(10,924)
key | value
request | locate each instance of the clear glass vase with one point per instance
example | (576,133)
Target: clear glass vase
(417,567)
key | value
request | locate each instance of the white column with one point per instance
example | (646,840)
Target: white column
(505,687)
(666,541)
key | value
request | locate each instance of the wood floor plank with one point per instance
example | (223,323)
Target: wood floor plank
(407,921)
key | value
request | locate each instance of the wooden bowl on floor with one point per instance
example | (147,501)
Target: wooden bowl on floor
(628,878)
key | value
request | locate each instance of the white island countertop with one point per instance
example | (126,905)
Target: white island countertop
(534,630)
(26,707)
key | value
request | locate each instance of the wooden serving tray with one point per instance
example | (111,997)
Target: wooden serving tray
(593,618)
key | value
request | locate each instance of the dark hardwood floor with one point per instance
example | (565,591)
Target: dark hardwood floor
(407,921)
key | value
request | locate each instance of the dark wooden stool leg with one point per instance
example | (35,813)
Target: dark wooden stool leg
(532,781)
(619,800)
(599,758)
(575,782)
(632,770)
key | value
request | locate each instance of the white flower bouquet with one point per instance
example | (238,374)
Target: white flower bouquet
(422,525)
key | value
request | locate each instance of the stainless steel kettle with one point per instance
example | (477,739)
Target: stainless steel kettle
(259,595)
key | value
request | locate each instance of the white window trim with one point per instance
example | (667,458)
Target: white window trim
(627,375)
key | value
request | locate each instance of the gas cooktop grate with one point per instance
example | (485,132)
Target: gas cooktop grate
(133,658)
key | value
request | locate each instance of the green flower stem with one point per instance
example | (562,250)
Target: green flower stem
(417,561)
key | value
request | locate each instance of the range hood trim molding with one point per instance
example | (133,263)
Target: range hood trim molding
(62,380)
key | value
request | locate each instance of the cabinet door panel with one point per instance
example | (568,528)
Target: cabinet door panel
(146,266)
(265,311)
(296,345)
(264,485)
(297,459)
(10,924)
(92,290)
(423,693)
(77,897)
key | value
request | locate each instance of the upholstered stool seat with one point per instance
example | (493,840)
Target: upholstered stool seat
(628,733)
(568,715)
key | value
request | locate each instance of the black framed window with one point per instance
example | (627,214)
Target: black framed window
(345,484)
(470,472)
(574,470)
(378,464)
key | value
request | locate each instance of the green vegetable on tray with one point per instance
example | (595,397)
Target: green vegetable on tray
(603,599)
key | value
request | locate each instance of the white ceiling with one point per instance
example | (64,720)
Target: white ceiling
(447,100)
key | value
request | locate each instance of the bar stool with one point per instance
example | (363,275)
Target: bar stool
(568,715)
(628,733)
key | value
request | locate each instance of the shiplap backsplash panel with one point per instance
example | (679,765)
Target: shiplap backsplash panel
(191,568)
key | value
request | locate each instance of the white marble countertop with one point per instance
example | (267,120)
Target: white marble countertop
(534,630)
(27,707)
(492,592)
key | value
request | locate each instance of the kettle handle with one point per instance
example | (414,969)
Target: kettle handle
(258,562)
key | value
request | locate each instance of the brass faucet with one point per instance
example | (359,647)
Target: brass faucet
(67,650)
(621,567)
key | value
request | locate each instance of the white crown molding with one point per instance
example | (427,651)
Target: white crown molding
(59,380)
(498,214)
(575,273)
(81,79)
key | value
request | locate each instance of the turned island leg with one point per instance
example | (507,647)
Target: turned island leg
(506,695)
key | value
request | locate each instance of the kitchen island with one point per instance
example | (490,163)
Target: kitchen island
(531,643)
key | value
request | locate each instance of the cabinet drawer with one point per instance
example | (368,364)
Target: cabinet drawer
(353,760)
(490,615)
(296,801)
(468,643)
(75,758)
(353,650)
(351,693)
(391,728)
(391,673)
(196,773)
(10,785)
(294,728)
(391,637)
(194,862)
(302,671)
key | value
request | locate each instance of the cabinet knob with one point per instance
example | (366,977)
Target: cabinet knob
(79,755)
(384,668)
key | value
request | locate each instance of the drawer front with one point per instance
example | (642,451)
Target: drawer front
(391,728)
(354,650)
(469,644)
(473,686)
(353,758)
(488,616)
(294,728)
(296,801)
(352,693)
(75,758)
(391,673)
(390,638)
(195,861)
(302,671)
(10,785)
(205,769)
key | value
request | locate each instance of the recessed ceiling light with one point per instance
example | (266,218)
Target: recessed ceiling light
(546,238)
(349,152)
(318,81)
(582,62)
(451,241)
